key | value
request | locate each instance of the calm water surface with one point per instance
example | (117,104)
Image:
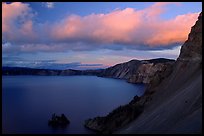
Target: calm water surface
(29,101)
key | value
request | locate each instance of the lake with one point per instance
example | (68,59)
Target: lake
(28,102)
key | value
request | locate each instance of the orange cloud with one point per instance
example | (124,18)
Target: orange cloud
(130,28)
(173,31)
(127,26)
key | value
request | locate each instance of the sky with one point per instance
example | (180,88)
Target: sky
(93,35)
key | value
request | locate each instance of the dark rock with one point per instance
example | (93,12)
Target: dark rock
(192,48)
(115,119)
(58,121)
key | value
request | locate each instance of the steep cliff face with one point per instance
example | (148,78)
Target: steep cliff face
(146,73)
(136,71)
(175,105)
(192,48)
(123,70)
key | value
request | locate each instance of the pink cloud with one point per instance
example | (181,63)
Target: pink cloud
(172,31)
(14,13)
(105,28)
(130,28)
(127,26)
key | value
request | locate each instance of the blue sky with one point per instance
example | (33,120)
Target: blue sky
(90,35)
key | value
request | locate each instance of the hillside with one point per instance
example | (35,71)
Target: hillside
(172,102)
(176,104)
(130,69)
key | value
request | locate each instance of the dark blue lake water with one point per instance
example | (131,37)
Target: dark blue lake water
(29,101)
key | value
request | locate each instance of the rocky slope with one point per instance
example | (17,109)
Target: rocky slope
(176,103)
(150,72)
(173,101)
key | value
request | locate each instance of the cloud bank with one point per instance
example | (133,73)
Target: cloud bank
(121,28)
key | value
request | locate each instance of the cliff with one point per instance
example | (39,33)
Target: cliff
(172,102)
(139,71)
(147,72)
(175,105)
(123,70)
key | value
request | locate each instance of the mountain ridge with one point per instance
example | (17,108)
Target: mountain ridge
(39,71)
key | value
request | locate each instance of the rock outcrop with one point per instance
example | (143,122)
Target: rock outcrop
(192,48)
(58,121)
(137,71)
(147,72)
